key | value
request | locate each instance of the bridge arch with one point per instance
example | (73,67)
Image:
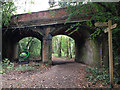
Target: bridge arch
(86,49)
(12,37)
(33,45)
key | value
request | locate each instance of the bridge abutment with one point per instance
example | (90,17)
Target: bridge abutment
(87,50)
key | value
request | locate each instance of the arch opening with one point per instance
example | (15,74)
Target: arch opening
(63,49)
(86,49)
(30,44)
(33,45)
(11,39)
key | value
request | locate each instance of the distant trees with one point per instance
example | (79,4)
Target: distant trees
(33,45)
(63,46)
(60,47)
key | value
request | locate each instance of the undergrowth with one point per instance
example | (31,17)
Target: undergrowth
(99,75)
(24,68)
(6,65)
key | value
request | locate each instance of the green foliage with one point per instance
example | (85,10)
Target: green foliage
(33,45)
(95,74)
(76,26)
(7,11)
(1,69)
(99,12)
(96,33)
(6,65)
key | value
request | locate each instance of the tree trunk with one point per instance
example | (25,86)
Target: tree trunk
(70,48)
(67,48)
(60,46)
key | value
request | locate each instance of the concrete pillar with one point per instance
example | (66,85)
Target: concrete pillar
(77,51)
(10,51)
(15,52)
(47,47)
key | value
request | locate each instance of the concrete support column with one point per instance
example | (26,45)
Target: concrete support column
(87,51)
(10,51)
(15,52)
(47,48)
(77,51)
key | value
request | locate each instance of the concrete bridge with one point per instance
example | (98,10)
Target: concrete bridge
(46,24)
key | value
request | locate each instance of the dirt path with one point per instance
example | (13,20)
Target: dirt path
(58,61)
(67,75)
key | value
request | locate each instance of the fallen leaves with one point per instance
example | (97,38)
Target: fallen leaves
(71,75)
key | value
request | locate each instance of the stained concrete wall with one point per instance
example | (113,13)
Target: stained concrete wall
(47,47)
(87,50)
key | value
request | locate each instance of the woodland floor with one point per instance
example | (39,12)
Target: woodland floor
(62,74)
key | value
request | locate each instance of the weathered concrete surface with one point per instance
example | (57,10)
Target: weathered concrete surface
(47,47)
(87,49)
